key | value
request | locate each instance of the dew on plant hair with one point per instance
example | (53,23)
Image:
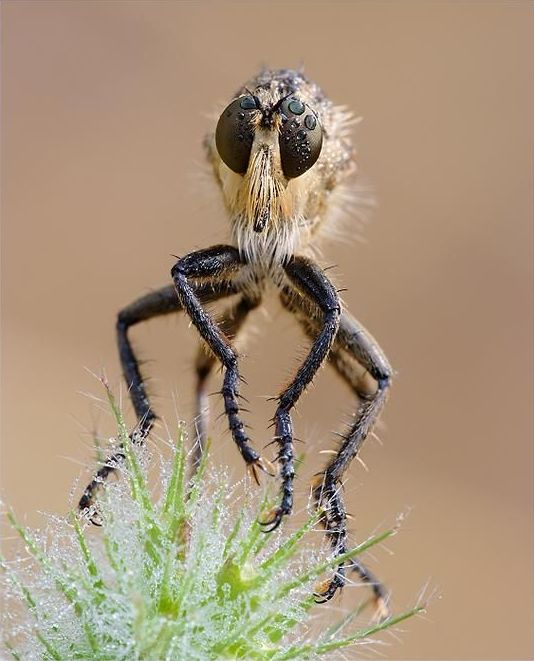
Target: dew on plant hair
(166,577)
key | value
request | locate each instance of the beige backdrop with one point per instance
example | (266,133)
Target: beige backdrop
(105,105)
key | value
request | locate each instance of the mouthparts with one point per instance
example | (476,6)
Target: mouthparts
(263,190)
(261,220)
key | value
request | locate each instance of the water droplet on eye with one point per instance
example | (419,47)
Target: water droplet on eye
(294,124)
(242,115)
(247,103)
(310,122)
(301,135)
(296,107)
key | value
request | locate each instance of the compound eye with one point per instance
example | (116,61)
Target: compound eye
(300,139)
(234,133)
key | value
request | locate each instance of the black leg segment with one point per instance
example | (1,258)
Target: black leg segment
(306,281)
(214,265)
(231,323)
(157,303)
(354,348)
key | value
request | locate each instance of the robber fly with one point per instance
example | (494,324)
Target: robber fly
(279,153)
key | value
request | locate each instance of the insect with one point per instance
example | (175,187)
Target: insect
(280,153)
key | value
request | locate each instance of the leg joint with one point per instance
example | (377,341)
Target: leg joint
(207,263)
(332,309)
(229,360)
(384,379)
(123,321)
(178,271)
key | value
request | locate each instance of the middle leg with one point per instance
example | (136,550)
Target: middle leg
(354,350)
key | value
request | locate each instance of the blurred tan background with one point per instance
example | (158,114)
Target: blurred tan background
(105,106)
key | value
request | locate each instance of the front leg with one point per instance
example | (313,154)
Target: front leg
(231,323)
(353,349)
(307,280)
(214,265)
(161,302)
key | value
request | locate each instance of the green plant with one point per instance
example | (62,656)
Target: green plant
(180,576)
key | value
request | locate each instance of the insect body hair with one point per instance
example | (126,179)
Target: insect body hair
(274,217)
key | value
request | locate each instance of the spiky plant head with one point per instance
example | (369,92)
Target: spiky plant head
(187,574)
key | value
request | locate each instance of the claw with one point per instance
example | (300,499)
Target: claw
(266,466)
(87,506)
(253,469)
(88,511)
(317,481)
(273,520)
(382,611)
(262,464)
(325,590)
(96,519)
